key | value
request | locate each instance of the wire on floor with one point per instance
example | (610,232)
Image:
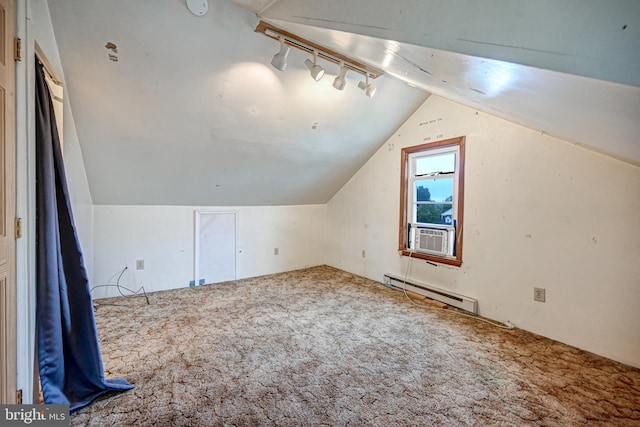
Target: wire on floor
(507,325)
(120,288)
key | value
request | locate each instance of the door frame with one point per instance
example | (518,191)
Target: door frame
(8,318)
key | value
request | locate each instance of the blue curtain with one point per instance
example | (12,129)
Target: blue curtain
(69,359)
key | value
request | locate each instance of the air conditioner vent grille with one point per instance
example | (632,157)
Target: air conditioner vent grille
(431,240)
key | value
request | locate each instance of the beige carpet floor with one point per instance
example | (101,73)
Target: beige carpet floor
(322,347)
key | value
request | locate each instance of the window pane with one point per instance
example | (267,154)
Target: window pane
(442,163)
(434,190)
(438,213)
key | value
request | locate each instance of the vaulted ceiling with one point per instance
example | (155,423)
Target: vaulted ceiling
(187,110)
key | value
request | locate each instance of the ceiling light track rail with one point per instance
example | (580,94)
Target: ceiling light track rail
(321,51)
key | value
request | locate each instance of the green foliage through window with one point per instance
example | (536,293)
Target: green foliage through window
(432,213)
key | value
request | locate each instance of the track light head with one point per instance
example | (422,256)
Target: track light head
(340,81)
(279,60)
(316,71)
(368,88)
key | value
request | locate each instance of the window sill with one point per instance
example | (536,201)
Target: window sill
(432,258)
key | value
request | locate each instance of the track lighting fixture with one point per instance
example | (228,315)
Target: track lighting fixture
(368,88)
(340,81)
(279,60)
(316,71)
(288,40)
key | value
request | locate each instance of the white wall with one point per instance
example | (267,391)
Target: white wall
(538,212)
(164,237)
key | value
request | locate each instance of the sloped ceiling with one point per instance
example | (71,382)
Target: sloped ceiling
(192,113)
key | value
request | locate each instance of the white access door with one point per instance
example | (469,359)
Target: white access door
(215,247)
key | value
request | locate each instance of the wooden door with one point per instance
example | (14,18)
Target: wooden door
(7,206)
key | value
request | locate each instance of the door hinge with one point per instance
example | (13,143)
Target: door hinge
(17,49)
(18,228)
(18,397)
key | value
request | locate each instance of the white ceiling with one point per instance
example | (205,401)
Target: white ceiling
(192,113)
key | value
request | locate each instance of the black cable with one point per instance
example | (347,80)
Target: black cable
(119,287)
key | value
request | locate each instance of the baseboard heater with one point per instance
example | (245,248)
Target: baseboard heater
(450,298)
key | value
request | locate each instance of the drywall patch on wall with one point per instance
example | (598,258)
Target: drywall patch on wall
(113,51)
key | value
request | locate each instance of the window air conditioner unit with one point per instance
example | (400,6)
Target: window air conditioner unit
(431,240)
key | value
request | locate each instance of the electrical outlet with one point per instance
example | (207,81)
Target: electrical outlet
(364,253)
(539,294)
(140,264)
(276,251)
